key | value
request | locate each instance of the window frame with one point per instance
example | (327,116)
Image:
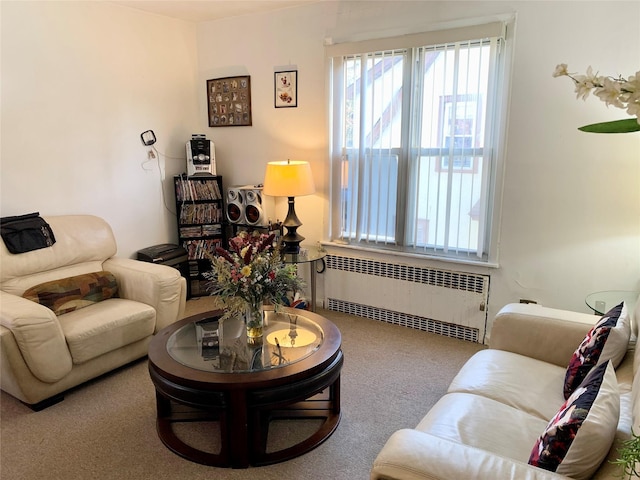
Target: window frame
(493,184)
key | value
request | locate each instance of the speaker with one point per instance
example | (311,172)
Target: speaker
(235,205)
(246,205)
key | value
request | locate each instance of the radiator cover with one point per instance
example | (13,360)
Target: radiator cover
(444,302)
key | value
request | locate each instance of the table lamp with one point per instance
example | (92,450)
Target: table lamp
(289,178)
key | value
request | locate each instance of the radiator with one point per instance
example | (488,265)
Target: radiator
(445,302)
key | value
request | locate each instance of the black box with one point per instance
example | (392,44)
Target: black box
(164,254)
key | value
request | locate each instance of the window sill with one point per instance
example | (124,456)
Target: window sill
(396,253)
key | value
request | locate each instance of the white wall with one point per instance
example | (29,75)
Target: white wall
(80,82)
(254,45)
(572,200)
(571,218)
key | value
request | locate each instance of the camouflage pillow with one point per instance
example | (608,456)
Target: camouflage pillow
(579,436)
(69,294)
(607,340)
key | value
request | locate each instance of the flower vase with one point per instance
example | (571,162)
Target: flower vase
(254,320)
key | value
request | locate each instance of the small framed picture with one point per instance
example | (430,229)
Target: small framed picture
(286,89)
(229,101)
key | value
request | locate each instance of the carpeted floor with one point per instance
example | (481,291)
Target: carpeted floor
(105,429)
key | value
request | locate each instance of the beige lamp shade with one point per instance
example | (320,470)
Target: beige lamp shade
(288,178)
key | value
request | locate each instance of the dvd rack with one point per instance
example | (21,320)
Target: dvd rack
(200,213)
(201,249)
(200,231)
(197,188)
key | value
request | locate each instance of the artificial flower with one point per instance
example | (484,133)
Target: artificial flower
(617,91)
(251,272)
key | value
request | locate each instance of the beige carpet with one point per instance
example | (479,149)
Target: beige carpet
(105,429)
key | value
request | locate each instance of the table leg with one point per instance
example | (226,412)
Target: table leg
(312,266)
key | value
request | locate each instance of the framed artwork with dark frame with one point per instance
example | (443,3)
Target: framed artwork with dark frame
(229,101)
(286,89)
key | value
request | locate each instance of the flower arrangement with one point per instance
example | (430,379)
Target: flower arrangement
(251,272)
(617,91)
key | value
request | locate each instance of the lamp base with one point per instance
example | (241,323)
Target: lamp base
(292,239)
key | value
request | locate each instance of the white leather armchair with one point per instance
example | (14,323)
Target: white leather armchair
(43,354)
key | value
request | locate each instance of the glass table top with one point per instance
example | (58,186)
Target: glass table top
(602,302)
(307,254)
(218,346)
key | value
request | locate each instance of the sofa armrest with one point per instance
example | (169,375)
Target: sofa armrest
(415,455)
(546,334)
(39,336)
(159,286)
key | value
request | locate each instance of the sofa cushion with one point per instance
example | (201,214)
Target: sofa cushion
(68,294)
(106,326)
(504,376)
(483,423)
(607,340)
(578,437)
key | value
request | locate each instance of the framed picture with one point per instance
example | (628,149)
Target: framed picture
(286,89)
(229,101)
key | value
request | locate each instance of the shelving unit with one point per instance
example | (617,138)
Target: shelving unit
(200,211)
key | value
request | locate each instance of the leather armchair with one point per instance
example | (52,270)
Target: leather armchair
(43,354)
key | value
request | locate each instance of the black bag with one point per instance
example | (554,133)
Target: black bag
(24,233)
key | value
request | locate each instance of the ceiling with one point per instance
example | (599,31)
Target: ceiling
(205,10)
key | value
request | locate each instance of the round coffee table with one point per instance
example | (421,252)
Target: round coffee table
(204,371)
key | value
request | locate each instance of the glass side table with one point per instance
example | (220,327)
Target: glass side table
(602,302)
(312,256)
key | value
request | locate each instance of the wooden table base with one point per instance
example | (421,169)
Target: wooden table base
(244,415)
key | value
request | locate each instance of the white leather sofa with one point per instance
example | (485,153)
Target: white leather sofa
(43,354)
(503,398)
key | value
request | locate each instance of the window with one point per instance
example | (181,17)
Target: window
(415,141)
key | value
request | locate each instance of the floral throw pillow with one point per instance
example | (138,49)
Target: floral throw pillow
(579,436)
(607,340)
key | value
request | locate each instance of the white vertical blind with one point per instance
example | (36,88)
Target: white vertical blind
(453,90)
(412,160)
(372,134)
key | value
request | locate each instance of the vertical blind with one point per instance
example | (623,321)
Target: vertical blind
(412,145)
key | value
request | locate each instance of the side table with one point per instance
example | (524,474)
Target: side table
(310,255)
(602,302)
